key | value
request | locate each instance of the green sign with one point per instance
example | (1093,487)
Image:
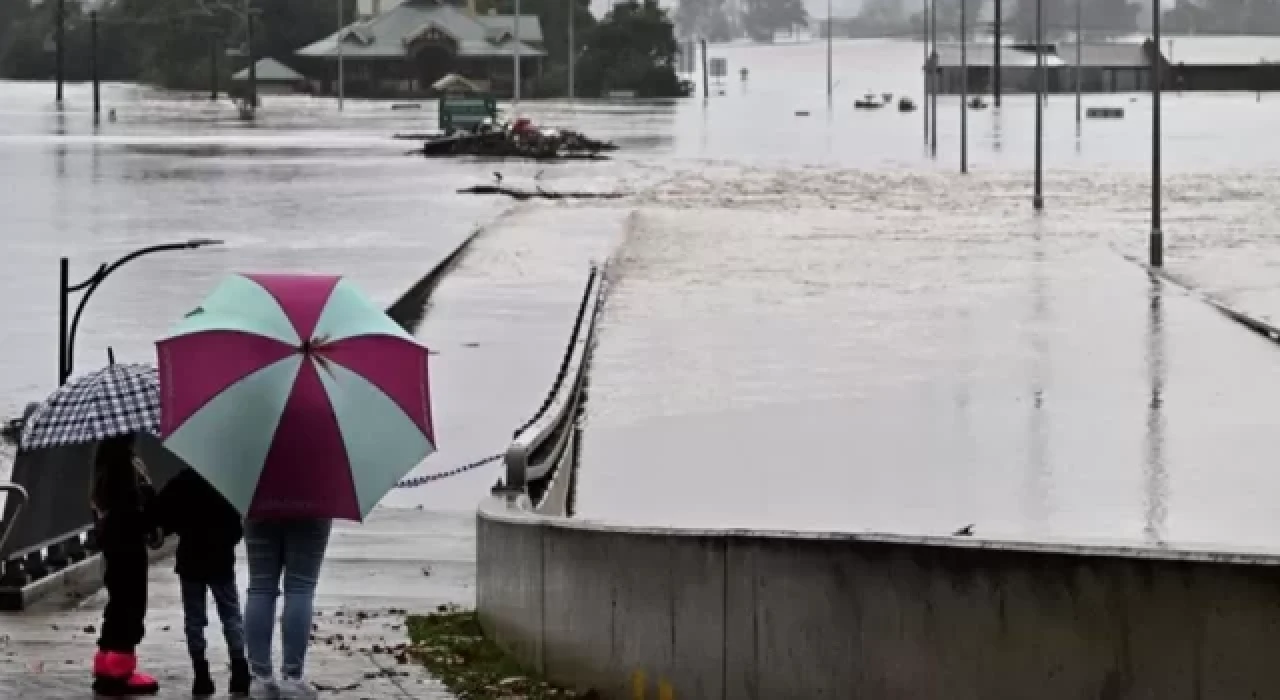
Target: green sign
(465,112)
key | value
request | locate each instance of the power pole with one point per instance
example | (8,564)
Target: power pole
(573,47)
(924,40)
(995,78)
(60,35)
(964,89)
(93,65)
(342,78)
(1079,54)
(253,61)
(1037,199)
(830,32)
(706,85)
(933,80)
(515,70)
(1156,242)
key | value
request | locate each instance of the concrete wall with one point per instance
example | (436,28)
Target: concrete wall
(672,614)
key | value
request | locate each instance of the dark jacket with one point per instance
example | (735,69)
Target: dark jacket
(208,527)
(123,526)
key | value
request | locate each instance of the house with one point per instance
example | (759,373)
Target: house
(404,50)
(272,76)
(1191,63)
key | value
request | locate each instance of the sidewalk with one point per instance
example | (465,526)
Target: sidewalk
(401,560)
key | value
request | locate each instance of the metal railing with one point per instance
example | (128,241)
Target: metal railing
(548,440)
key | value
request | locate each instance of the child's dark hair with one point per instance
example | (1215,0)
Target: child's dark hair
(115,481)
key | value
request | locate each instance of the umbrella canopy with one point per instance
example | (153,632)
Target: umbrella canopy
(115,400)
(295,396)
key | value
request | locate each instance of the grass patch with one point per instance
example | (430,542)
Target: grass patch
(451,645)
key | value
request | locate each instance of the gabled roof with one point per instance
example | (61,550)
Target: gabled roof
(269,70)
(388,34)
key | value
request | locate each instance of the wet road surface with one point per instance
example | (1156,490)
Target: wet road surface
(822,350)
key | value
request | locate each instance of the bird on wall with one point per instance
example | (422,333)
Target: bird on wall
(965,531)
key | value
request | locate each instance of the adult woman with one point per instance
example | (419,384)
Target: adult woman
(292,550)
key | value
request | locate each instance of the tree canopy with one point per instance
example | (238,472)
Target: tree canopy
(762,19)
(632,48)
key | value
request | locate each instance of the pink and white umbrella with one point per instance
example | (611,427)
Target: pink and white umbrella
(295,396)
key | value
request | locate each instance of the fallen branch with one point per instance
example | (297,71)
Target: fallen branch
(539,193)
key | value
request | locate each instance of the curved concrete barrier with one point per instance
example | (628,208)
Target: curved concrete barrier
(738,615)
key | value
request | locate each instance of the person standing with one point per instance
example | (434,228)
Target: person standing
(120,494)
(291,550)
(208,528)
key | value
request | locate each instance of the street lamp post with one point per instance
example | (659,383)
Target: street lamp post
(999,43)
(1156,241)
(67,336)
(515,68)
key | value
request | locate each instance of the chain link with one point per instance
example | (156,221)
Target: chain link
(428,478)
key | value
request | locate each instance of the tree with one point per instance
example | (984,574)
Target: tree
(706,19)
(764,18)
(633,48)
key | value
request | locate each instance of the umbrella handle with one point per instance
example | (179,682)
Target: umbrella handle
(14,491)
(111,355)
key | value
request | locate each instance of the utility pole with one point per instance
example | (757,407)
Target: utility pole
(60,36)
(964,89)
(573,46)
(924,40)
(1037,199)
(933,80)
(706,85)
(213,69)
(253,61)
(995,78)
(342,78)
(1156,242)
(831,25)
(515,70)
(93,66)
(1080,54)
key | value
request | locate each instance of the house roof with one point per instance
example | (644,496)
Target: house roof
(984,54)
(1111,55)
(389,34)
(1221,50)
(1114,54)
(269,70)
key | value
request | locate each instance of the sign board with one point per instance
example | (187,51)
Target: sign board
(719,68)
(465,112)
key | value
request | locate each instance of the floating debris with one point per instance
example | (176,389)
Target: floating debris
(539,193)
(520,139)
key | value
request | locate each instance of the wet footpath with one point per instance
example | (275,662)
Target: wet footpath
(497,326)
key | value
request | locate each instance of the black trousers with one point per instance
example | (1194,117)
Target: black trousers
(126,583)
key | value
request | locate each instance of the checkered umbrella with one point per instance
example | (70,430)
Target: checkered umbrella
(113,401)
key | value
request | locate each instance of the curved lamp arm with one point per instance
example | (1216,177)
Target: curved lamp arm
(95,280)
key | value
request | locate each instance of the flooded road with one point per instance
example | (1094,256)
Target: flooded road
(782,279)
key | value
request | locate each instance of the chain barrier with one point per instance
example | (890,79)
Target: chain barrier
(428,478)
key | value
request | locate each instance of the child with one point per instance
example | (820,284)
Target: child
(120,494)
(209,529)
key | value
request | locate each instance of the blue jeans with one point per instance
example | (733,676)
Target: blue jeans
(294,549)
(195,613)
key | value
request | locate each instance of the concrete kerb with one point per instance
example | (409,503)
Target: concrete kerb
(742,614)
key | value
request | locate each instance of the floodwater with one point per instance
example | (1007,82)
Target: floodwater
(776,264)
